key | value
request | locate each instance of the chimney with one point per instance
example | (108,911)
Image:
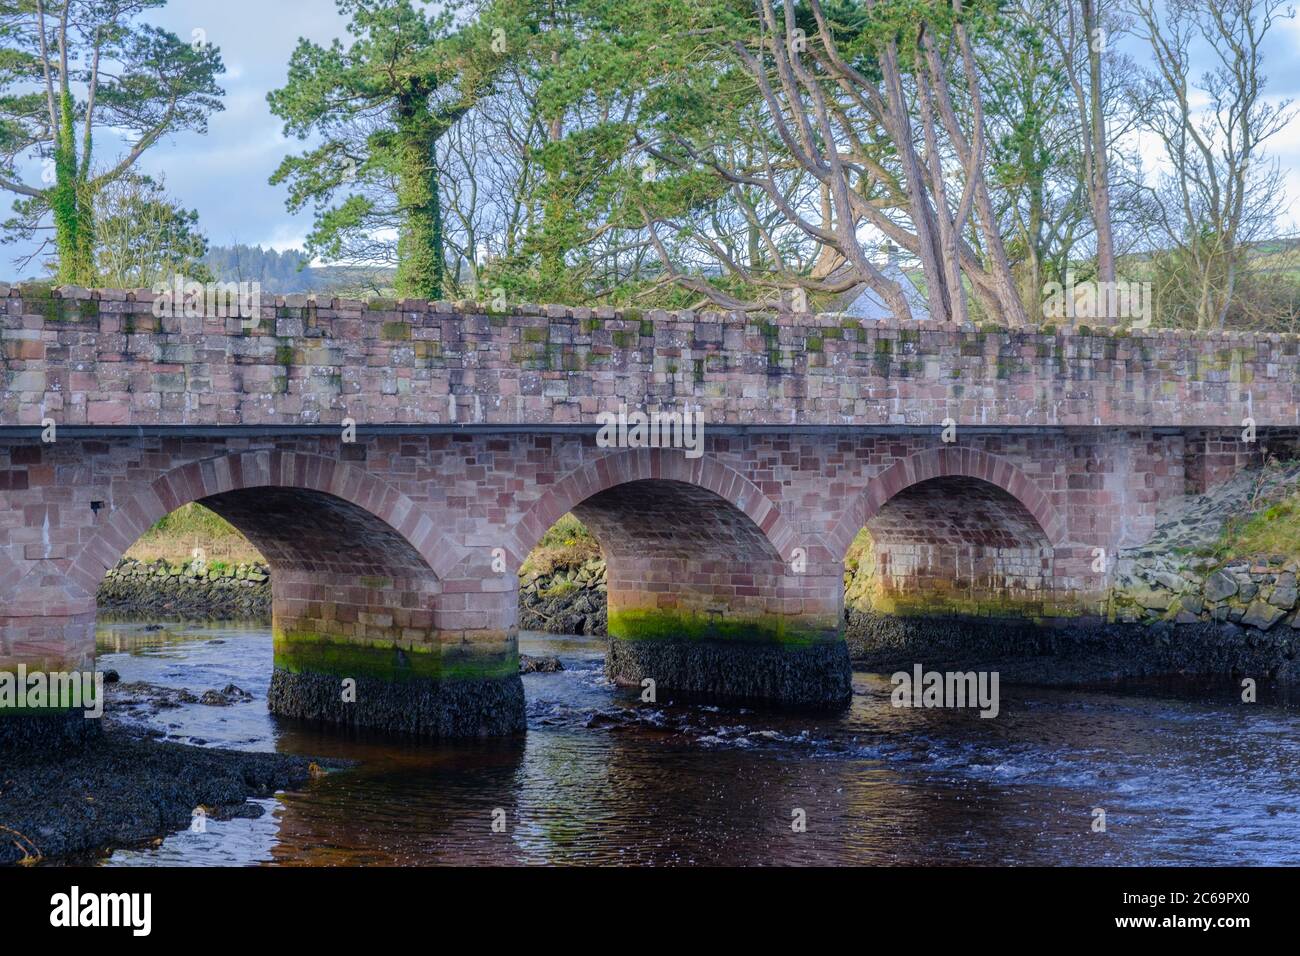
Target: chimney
(891,254)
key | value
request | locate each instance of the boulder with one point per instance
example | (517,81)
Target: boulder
(539,665)
(1219,586)
(1284,593)
(1262,615)
(1155,600)
(1169,579)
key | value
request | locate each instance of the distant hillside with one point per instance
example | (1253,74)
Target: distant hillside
(282,273)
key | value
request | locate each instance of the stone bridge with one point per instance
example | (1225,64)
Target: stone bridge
(998,473)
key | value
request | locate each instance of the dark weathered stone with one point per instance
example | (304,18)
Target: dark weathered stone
(1071,653)
(815,676)
(1262,615)
(1284,593)
(1219,586)
(539,665)
(52,732)
(142,790)
(578,610)
(418,706)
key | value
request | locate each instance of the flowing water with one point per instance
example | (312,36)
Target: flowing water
(1186,774)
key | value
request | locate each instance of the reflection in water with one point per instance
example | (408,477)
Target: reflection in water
(1186,773)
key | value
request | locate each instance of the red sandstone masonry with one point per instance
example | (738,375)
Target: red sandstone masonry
(453,499)
(709,535)
(321,360)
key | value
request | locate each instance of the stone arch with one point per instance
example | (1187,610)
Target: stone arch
(948,463)
(651,464)
(226,474)
(358,595)
(702,595)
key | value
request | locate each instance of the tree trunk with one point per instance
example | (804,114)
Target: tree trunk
(1099,187)
(918,200)
(420,254)
(73,225)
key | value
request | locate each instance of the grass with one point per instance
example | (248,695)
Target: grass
(191,526)
(566,544)
(1274,530)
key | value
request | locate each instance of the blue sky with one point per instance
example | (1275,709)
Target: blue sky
(224,174)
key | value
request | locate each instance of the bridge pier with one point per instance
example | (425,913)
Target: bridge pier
(702,600)
(366,633)
(369,652)
(35,642)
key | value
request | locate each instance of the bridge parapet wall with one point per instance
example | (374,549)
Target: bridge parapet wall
(103,358)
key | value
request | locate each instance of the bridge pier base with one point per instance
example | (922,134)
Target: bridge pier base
(45,732)
(58,645)
(422,706)
(372,654)
(816,675)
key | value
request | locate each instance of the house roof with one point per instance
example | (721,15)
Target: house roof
(865,303)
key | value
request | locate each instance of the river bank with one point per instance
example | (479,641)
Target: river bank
(122,788)
(189,589)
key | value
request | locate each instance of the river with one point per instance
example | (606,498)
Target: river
(1185,772)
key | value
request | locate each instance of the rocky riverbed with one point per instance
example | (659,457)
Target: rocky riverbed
(122,788)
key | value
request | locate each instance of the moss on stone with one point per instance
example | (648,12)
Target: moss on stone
(645,624)
(38,299)
(299,651)
(395,331)
(940,604)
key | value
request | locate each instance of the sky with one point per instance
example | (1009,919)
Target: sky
(224,173)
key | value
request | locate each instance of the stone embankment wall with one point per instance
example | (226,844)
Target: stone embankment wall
(1189,600)
(1189,575)
(568,600)
(160,589)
